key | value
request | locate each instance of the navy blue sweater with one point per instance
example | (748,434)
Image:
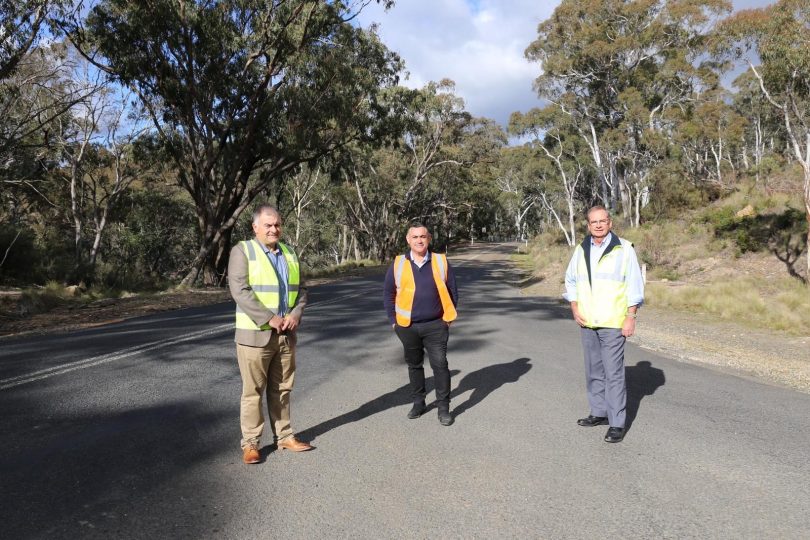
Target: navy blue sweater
(427,306)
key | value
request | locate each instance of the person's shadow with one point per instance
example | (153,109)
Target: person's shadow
(395,398)
(486,380)
(642,380)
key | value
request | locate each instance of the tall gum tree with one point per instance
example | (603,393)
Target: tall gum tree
(421,174)
(558,182)
(594,53)
(780,35)
(241,93)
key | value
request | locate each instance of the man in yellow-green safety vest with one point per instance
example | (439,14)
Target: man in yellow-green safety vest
(604,285)
(264,278)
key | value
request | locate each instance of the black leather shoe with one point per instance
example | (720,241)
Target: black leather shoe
(445,418)
(614,434)
(591,421)
(417,410)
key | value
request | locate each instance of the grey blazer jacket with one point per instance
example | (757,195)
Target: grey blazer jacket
(243,295)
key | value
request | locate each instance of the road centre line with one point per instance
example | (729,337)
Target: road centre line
(103,359)
(61,369)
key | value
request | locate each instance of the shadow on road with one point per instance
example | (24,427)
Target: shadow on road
(394,398)
(642,380)
(102,474)
(488,379)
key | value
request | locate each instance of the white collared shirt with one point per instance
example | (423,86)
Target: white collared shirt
(424,261)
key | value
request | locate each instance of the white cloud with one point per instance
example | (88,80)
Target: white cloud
(479,44)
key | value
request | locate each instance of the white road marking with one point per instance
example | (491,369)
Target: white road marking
(105,358)
(132,351)
(61,369)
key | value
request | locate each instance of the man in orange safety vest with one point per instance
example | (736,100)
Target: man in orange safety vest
(420,298)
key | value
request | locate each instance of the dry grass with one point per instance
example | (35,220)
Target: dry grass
(710,276)
(782,304)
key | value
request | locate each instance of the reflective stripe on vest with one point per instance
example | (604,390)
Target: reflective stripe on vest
(263,280)
(603,301)
(406,288)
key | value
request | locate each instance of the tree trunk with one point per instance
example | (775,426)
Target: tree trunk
(807,213)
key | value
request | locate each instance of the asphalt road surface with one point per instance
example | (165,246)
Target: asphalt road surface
(132,431)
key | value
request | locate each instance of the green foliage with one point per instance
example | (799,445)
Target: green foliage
(152,244)
(723,218)
(761,232)
(244,92)
(18,247)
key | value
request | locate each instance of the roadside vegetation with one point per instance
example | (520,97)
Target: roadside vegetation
(735,259)
(136,138)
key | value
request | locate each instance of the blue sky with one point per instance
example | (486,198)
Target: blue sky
(477,43)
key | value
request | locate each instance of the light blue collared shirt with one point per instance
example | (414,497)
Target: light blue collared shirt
(635,283)
(424,261)
(282,273)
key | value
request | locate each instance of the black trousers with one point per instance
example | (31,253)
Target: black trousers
(416,339)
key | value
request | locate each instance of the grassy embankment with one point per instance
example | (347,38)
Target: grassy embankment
(723,260)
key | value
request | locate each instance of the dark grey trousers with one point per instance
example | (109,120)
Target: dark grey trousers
(431,336)
(604,373)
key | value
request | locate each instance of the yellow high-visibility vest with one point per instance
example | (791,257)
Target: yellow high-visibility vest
(602,302)
(263,280)
(406,288)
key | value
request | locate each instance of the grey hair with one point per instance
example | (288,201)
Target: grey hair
(265,209)
(595,208)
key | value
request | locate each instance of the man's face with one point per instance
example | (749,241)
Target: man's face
(599,224)
(418,240)
(268,228)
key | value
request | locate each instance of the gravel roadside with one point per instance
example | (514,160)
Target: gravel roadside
(700,338)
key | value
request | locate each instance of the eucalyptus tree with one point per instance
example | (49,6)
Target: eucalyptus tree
(712,135)
(35,104)
(98,147)
(519,194)
(560,172)
(601,58)
(780,35)
(421,174)
(22,24)
(763,128)
(241,92)
(32,73)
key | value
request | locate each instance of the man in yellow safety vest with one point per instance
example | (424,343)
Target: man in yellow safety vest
(264,278)
(604,285)
(420,298)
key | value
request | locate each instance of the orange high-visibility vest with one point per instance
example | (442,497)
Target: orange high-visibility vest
(406,288)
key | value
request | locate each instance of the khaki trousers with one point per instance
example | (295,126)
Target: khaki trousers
(271,370)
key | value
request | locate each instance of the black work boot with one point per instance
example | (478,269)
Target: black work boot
(445,418)
(417,410)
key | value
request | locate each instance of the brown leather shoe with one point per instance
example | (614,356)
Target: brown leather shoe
(250,454)
(291,443)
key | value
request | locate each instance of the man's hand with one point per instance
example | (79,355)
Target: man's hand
(276,323)
(629,327)
(577,317)
(290,323)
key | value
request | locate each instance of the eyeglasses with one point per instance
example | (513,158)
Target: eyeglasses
(600,222)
